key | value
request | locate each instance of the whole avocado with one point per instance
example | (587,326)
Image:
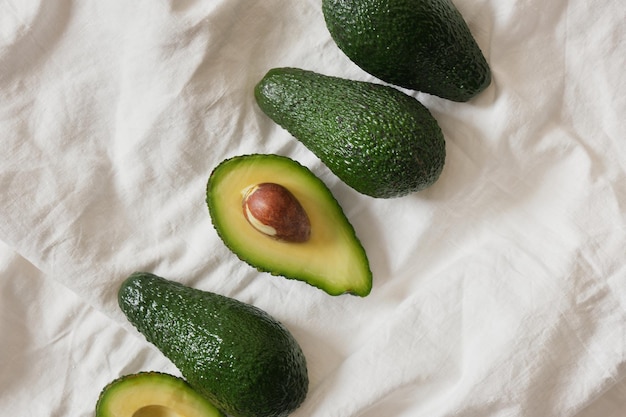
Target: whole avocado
(422,45)
(377,139)
(234,354)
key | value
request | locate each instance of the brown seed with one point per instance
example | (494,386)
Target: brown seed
(274,211)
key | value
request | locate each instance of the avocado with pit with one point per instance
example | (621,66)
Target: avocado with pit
(234,354)
(422,45)
(150,394)
(377,139)
(279,217)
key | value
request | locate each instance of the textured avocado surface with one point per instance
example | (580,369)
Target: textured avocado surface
(332,259)
(152,394)
(423,45)
(234,354)
(377,139)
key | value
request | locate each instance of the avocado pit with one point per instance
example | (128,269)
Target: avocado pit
(274,211)
(156,411)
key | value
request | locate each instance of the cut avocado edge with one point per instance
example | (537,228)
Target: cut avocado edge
(153,393)
(333,260)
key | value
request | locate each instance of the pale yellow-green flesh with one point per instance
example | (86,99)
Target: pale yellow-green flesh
(332,259)
(153,395)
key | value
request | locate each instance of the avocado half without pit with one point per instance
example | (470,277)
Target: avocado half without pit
(153,394)
(279,217)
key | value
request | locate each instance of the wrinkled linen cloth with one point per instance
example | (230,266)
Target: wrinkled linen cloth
(500,291)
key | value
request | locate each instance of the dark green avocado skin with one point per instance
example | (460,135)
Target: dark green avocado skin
(377,139)
(422,45)
(234,354)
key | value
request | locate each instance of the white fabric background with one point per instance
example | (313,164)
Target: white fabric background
(498,292)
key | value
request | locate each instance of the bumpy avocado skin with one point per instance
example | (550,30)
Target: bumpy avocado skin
(423,45)
(377,139)
(236,355)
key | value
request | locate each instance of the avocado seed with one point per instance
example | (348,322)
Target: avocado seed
(274,211)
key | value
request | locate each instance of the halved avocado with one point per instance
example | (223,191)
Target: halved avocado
(153,394)
(330,257)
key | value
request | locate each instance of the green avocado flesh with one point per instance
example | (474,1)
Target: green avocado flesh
(423,45)
(377,139)
(235,355)
(332,259)
(152,394)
